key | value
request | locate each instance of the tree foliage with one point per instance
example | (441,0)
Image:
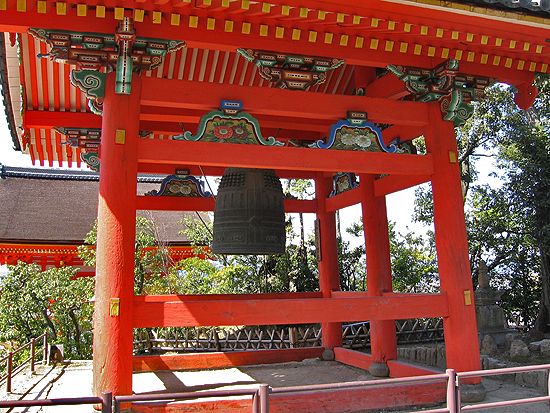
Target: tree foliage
(33,301)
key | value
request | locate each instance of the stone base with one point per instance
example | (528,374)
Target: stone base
(327,355)
(379,370)
(472,393)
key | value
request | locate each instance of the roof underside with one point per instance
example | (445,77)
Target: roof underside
(488,41)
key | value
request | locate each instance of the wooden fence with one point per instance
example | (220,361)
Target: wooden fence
(355,335)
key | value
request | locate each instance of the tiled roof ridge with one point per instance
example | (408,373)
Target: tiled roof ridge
(539,7)
(62,175)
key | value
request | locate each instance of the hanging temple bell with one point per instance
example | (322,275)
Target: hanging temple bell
(249,217)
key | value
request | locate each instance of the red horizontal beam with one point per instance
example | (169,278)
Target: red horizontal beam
(176,311)
(287,158)
(343,200)
(169,169)
(390,184)
(279,102)
(219,360)
(173,203)
(237,297)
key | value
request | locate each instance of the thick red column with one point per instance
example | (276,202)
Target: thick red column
(329,276)
(379,278)
(113,323)
(460,328)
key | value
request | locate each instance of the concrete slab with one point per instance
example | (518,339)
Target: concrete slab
(75,380)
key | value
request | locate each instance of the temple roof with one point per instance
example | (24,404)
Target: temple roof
(45,206)
(541,7)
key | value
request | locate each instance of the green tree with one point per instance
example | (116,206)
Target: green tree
(151,257)
(33,301)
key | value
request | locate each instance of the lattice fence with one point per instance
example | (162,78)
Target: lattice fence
(355,335)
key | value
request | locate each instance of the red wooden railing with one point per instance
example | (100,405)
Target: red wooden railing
(12,370)
(260,394)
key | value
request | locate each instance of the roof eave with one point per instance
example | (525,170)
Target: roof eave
(6,97)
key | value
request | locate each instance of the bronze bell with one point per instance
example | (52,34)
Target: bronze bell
(249,217)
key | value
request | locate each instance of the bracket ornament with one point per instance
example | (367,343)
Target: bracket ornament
(181,185)
(88,139)
(342,182)
(231,125)
(455,91)
(91,159)
(291,72)
(356,133)
(123,52)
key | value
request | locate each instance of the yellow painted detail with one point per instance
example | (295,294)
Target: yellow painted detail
(538,49)
(484,39)
(484,58)
(407,27)
(210,23)
(431,51)
(512,44)
(452,157)
(508,62)
(21,5)
(328,38)
(356,19)
(521,64)
(469,37)
(41,7)
(175,19)
(285,10)
(279,32)
(245,28)
(321,15)
(458,54)
(207,2)
(467,297)
(344,40)
(81,10)
(264,30)
(389,46)
(100,11)
(526,46)
(454,35)
(340,17)
(114,307)
(498,42)
(532,66)
(403,47)
(228,26)
(119,13)
(496,60)
(139,15)
(304,11)
(312,38)
(61,8)
(417,49)
(439,33)
(157,17)
(3,4)
(359,42)
(471,56)
(374,22)
(194,21)
(266,8)
(423,30)
(120,136)
(245,4)
(296,34)
(373,44)
(391,25)
(544,68)
(445,53)
(226,3)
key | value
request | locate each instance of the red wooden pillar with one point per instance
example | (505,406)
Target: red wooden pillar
(460,328)
(114,284)
(379,278)
(329,276)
